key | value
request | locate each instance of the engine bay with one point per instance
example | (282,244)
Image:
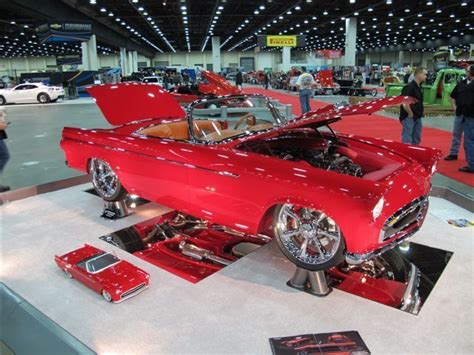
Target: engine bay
(327,151)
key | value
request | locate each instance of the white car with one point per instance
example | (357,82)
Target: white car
(31,92)
(157,80)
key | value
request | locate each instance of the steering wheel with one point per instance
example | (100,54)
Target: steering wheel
(250,119)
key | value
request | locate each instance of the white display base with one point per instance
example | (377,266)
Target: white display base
(233,311)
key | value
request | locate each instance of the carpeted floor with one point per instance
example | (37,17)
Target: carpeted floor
(386,128)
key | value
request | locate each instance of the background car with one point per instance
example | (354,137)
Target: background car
(157,80)
(31,92)
(115,279)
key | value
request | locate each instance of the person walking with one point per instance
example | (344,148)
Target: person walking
(4,155)
(266,80)
(462,100)
(304,85)
(239,79)
(410,115)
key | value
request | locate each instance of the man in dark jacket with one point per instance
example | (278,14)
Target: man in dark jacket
(410,115)
(4,155)
(462,99)
(239,79)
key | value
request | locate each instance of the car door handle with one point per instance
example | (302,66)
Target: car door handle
(228,174)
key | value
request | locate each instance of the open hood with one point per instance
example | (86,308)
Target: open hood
(217,85)
(332,113)
(129,102)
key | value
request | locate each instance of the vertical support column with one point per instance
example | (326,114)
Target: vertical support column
(85,55)
(286,58)
(130,63)
(216,54)
(351,38)
(367,59)
(123,61)
(92,53)
(401,58)
(471,52)
(135,61)
(27,65)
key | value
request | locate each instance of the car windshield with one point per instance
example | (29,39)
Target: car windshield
(101,262)
(232,117)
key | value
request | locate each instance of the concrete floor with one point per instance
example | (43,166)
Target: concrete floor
(234,311)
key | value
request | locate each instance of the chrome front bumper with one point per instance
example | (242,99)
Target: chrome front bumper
(411,302)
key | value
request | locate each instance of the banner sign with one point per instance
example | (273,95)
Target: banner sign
(67,59)
(328,53)
(440,59)
(282,41)
(68,31)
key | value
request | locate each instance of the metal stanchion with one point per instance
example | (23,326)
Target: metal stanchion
(312,282)
(115,210)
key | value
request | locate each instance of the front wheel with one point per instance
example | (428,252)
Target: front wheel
(2,100)
(106,296)
(307,237)
(105,180)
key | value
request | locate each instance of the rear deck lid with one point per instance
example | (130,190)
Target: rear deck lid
(130,102)
(218,85)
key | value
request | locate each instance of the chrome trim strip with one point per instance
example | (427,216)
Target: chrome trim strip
(132,295)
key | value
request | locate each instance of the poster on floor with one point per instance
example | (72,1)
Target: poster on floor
(347,342)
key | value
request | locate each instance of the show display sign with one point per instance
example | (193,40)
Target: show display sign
(68,31)
(328,53)
(282,41)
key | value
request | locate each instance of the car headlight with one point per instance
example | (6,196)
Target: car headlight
(378,208)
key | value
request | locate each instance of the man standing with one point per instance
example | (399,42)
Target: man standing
(304,85)
(410,115)
(4,155)
(239,79)
(266,80)
(462,99)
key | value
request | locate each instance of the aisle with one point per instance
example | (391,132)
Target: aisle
(386,128)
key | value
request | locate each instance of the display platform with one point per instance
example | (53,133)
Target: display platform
(234,310)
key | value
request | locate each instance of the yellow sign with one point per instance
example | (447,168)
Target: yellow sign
(281,41)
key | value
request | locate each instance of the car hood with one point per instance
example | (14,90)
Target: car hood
(130,102)
(122,275)
(217,85)
(332,113)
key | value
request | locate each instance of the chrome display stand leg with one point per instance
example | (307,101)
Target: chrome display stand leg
(312,282)
(115,210)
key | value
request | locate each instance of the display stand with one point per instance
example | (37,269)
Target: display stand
(115,210)
(312,282)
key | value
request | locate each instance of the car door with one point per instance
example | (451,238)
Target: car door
(30,93)
(82,275)
(17,94)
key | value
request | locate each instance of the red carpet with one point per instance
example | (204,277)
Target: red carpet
(386,128)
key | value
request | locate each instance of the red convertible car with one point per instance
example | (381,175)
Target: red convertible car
(116,280)
(215,86)
(241,164)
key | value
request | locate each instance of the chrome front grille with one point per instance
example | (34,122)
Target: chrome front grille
(404,218)
(132,291)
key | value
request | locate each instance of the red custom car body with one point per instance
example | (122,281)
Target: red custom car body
(346,196)
(115,279)
(325,83)
(215,86)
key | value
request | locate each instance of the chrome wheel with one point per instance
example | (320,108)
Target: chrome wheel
(308,237)
(106,296)
(43,98)
(104,179)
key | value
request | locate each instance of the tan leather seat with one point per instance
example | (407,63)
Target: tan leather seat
(180,130)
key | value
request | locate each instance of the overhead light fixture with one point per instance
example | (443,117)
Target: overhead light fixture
(103,9)
(352,1)
(92,2)
(389,2)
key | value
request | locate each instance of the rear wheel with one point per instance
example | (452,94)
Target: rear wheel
(43,98)
(105,181)
(374,92)
(307,237)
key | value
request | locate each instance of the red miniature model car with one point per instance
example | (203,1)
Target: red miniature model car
(323,196)
(215,86)
(115,279)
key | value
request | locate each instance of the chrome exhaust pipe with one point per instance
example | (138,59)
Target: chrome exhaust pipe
(201,254)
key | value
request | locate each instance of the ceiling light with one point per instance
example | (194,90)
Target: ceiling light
(103,9)
(92,2)
(370,9)
(262,7)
